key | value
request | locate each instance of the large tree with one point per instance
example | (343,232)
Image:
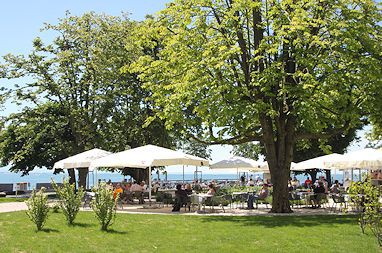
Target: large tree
(264,70)
(75,97)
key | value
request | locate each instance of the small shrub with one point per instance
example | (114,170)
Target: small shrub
(70,200)
(366,198)
(104,206)
(38,208)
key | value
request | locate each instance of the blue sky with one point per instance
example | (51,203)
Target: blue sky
(21,21)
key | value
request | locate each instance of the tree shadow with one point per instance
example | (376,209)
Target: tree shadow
(82,225)
(49,230)
(285,221)
(112,231)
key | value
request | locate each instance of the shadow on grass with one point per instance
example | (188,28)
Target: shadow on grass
(283,221)
(49,230)
(112,231)
(82,225)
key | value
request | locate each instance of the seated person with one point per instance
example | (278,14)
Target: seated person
(117,191)
(137,191)
(197,187)
(211,190)
(308,183)
(251,182)
(127,194)
(263,194)
(180,198)
(188,189)
(319,191)
(335,188)
(295,183)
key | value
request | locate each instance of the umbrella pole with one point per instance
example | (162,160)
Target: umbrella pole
(150,185)
(96,176)
(183,174)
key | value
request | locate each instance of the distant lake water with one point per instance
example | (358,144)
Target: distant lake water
(46,177)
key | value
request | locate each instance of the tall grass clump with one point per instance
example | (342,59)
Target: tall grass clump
(70,199)
(104,206)
(38,208)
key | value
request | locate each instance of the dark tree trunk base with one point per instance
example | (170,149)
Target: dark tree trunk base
(72,176)
(82,175)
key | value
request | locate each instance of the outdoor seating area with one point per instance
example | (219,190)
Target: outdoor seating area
(227,198)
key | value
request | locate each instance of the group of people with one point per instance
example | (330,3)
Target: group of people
(262,195)
(183,194)
(321,189)
(253,182)
(127,191)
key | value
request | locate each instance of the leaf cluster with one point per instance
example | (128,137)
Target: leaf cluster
(38,208)
(70,199)
(104,206)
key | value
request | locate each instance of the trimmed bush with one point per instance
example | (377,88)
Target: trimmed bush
(70,200)
(104,206)
(38,208)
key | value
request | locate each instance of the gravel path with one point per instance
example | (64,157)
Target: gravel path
(12,207)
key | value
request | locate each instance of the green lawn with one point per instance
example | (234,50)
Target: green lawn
(4,200)
(179,233)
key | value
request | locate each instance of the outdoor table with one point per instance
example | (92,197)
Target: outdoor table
(171,191)
(241,196)
(307,196)
(200,199)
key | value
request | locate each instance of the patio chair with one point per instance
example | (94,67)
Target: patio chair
(87,199)
(295,199)
(338,199)
(265,201)
(219,201)
(195,201)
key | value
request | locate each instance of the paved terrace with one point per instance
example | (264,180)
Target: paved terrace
(166,210)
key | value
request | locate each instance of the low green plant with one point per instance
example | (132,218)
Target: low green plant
(70,199)
(366,198)
(104,206)
(38,208)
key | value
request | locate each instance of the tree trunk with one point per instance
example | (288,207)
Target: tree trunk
(280,196)
(279,141)
(138,175)
(82,175)
(313,175)
(328,177)
(72,176)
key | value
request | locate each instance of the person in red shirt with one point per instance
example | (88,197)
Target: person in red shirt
(308,183)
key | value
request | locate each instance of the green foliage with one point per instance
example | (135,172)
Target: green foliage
(76,76)
(249,150)
(70,200)
(271,71)
(104,206)
(38,208)
(366,197)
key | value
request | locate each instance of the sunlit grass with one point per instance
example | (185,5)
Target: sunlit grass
(6,200)
(181,233)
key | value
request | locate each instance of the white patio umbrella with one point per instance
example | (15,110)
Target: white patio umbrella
(320,162)
(146,157)
(367,158)
(81,160)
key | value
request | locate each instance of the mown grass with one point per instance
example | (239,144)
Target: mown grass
(180,233)
(6,200)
